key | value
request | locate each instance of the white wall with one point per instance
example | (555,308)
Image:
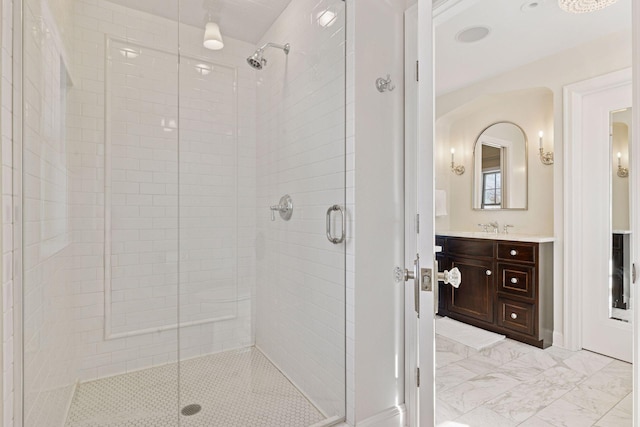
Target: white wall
(532,110)
(300,304)
(593,59)
(377,50)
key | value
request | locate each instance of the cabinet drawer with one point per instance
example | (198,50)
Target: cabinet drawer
(516,316)
(517,252)
(516,280)
(470,247)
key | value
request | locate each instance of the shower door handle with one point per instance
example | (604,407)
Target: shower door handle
(335,240)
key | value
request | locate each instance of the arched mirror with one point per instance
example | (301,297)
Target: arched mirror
(500,168)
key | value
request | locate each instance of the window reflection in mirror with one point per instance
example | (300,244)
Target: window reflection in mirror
(500,168)
(620,283)
(491,177)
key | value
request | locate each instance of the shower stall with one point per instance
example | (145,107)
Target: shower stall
(177,203)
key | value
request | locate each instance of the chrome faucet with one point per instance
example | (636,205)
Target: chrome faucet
(495,226)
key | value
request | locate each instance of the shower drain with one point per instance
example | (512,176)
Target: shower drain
(191,409)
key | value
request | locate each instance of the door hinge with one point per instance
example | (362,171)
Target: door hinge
(418,377)
(417,223)
(417,71)
(633,273)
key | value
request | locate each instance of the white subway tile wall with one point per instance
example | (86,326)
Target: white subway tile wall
(301,152)
(49,357)
(143,159)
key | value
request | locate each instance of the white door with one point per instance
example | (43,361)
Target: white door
(419,203)
(598,106)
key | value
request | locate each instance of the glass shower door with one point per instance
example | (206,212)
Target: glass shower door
(100,217)
(262,289)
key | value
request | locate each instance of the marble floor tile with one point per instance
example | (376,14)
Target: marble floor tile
(445,412)
(449,351)
(534,422)
(482,416)
(594,400)
(614,385)
(587,363)
(444,359)
(527,399)
(506,351)
(473,393)
(450,346)
(513,384)
(565,414)
(618,368)
(452,375)
(560,375)
(479,364)
(558,353)
(528,366)
(620,416)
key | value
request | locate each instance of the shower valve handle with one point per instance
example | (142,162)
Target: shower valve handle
(284,207)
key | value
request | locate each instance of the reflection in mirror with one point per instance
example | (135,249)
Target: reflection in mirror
(500,168)
(620,296)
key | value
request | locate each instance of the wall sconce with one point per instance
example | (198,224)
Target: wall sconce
(545,158)
(458,170)
(622,172)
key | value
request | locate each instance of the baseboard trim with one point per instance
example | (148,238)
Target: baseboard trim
(391,417)
(558,339)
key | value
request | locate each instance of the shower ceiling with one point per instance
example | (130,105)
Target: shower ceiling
(245,20)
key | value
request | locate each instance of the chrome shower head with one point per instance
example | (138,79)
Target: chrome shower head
(258,62)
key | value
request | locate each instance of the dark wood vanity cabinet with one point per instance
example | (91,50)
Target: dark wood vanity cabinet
(619,253)
(507,286)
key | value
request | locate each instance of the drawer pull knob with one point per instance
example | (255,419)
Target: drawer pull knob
(488,272)
(514,280)
(514,316)
(513,252)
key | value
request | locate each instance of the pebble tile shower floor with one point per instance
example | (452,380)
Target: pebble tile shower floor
(235,388)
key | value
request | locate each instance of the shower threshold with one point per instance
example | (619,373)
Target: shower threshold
(234,388)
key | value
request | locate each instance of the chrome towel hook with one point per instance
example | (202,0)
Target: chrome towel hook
(384,85)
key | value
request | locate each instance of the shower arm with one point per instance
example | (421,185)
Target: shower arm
(285,47)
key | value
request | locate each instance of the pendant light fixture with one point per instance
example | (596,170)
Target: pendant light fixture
(584,6)
(212,36)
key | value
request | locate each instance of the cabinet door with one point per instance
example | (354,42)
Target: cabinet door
(474,297)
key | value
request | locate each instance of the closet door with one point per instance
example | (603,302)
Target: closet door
(598,203)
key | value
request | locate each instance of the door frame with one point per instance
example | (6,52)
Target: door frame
(634,178)
(410,208)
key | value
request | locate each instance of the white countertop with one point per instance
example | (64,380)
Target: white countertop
(514,237)
(618,231)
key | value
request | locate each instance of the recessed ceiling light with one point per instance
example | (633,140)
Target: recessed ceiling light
(326,18)
(472,34)
(531,5)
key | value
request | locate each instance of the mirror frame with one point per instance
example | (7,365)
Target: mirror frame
(526,162)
